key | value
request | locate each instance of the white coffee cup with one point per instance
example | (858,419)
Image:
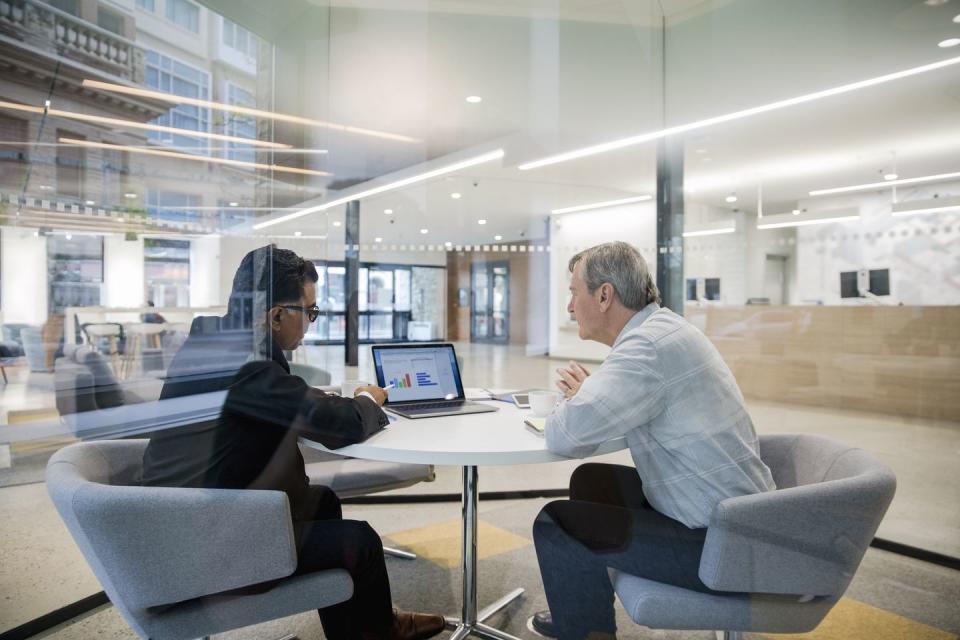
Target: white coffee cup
(543,402)
(349,387)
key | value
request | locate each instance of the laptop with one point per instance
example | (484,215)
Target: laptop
(425,378)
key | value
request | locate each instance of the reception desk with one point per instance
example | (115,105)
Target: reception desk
(898,360)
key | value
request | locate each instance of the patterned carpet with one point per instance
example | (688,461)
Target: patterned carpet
(891,598)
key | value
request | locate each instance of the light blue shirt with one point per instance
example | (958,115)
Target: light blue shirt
(666,389)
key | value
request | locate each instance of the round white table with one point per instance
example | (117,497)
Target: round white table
(496,438)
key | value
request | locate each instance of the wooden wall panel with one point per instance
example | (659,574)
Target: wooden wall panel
(898,360)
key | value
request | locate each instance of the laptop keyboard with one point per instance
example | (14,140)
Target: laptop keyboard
(443,404)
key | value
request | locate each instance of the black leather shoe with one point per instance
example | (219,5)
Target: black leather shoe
(414,626)
(542,623)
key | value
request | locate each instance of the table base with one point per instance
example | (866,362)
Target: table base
(471,622)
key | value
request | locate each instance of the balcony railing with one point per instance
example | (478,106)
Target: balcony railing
(62,34)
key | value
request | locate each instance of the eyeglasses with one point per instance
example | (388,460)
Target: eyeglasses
(312,312)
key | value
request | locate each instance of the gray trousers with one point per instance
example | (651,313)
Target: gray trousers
(607,523)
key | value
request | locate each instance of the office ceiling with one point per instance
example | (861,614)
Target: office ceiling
(556,76)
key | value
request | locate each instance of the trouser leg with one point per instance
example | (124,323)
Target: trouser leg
(575,581)
(355,547)
(578,541)
(614,484)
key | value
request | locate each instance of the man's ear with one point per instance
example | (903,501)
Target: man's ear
(606,296)
(274,315)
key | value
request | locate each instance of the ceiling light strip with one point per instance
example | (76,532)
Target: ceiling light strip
(600,205)
(187,156)
(910,212)
(247,111)
(805,223)
(121,122)
(886,183)
(420,177)
(708,232)
(736,115)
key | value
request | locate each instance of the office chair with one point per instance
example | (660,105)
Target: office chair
(784,557)
(168,557)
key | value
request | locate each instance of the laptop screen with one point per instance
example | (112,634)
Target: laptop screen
(427,372)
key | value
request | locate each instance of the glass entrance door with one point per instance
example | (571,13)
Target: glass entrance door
(490,304)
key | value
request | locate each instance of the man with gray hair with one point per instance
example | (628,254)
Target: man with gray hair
(665,388)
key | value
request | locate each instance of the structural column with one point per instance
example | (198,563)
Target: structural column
(670,223)
(351,282)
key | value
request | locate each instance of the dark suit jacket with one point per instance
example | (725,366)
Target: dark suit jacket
(253,443)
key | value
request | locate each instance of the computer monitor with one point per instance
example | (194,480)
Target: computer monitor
(848,285)
(880,282)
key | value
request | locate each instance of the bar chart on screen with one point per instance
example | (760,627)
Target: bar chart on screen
(407,373)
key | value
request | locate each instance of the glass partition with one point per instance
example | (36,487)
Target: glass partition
(439,164)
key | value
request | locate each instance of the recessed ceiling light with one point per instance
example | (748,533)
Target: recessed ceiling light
(336,223)
(481,221)
(956,18)
(68,236)
(234,204)
(935,3)
(474,99)
(298,233)
(129,195)
(388,211)
(90,203)
(120,220)
(795,212)
(455,195)
(498,237)
(890,176)
(46,187)
(731,198)
(949,42)
(424,231)
(378,239)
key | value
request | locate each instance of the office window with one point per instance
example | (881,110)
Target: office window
(147,5)
(239,125)
(70,6)
(186,14)
(74,271)
(70,165)
(172,76)
(13,152)
(166,272)
(173,205)
(238,38)
(109,20)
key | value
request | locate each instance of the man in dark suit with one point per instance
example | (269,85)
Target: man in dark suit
(253,443)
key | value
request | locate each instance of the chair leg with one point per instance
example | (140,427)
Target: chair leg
(398,553)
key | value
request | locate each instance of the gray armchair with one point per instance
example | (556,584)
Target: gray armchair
(166,556)
(785,556)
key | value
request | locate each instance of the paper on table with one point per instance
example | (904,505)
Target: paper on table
(477,394)
(537,425)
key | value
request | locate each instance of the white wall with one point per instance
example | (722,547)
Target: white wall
(205,272)
(920,250)
(574,232)
(23,277)
(123,281)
